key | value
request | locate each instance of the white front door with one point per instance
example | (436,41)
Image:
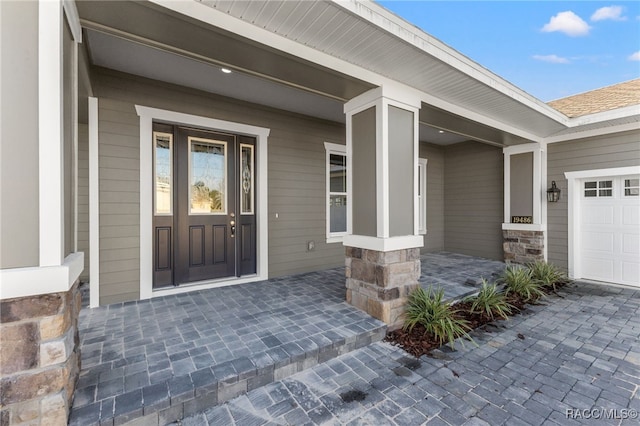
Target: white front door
(610,229)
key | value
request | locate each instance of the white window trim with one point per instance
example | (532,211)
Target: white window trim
(147,115)
(336,149)
(422,219)
(574,213)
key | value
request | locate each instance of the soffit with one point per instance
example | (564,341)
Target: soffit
(422,62)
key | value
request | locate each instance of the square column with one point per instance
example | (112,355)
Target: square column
(383,257)
(525,203)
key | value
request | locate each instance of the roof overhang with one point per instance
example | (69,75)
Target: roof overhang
(311,57)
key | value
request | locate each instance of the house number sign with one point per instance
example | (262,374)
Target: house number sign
(521,219)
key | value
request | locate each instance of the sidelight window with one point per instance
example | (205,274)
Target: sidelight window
(163,172)
(247,179)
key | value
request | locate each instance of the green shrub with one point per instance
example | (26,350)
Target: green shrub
(437,317)
(546,274)
(519,280)
(490,302)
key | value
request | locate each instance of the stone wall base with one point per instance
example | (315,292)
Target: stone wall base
(380,282)
(39,357)
(523,247)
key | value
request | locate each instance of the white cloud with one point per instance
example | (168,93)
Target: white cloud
(634,56)
(568,23)
(613,13)
(554,59)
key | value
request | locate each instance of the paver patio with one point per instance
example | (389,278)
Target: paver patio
(569,358)
(176,355)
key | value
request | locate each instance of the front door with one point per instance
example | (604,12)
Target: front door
(204,222)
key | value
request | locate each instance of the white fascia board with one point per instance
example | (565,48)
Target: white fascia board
(614,114)
(382,18)
(383,244)
(601,131)
(25,282)
(216,18)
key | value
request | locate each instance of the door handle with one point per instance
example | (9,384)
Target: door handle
(233,227)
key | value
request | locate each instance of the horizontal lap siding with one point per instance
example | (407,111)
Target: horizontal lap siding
(296,183)
(434,240)
(119,186)
(605,152)
(473,200)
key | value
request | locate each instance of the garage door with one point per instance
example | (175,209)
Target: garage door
(610,229)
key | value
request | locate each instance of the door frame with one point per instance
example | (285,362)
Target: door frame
(574,213)
(147,116)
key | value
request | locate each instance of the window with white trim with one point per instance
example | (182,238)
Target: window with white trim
(337,197)
(422,195)
(598,188)
(632,187)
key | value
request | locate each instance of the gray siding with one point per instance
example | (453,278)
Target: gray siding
(83,197)
(434,240)
(19,215)
(296,164)
(522,184)
(473,200)
(364,173)
(119,192)
(604,152)
(401,156)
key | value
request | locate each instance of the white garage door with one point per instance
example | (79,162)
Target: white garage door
(610,229)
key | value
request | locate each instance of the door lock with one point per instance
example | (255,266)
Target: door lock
(232,223)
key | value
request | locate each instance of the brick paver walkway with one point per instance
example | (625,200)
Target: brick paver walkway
(572,357)
(172,356)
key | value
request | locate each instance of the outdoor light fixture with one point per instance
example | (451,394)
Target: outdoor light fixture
(225,70)
(553,193)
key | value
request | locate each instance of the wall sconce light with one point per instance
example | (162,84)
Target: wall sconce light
(553,193)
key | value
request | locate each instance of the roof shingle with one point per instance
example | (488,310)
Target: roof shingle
(599,100)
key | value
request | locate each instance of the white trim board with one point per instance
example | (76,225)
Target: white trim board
(94,205)
(574,210)
(24,282)
(384,244)
(147,115)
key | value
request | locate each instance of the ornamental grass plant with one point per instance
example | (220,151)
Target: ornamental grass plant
(427,309)
(490,302)
(519,280)
(546,274)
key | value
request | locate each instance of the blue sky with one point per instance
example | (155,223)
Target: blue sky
(550,49)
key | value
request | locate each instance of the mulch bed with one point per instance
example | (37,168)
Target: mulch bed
(418,342)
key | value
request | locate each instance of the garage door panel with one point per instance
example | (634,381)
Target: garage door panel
(598,241)
(598,215)
(599,268)
(630,272)
(631,244)
(631,216)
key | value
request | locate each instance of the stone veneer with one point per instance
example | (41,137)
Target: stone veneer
(380,282)
(523,246)
(39,357)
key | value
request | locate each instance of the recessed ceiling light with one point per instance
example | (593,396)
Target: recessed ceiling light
(225,70)
(440,131)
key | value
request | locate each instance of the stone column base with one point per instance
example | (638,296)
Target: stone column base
(39,357)
(523,247)
(380,282)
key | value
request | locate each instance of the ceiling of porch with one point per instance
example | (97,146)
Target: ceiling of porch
(148,41)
